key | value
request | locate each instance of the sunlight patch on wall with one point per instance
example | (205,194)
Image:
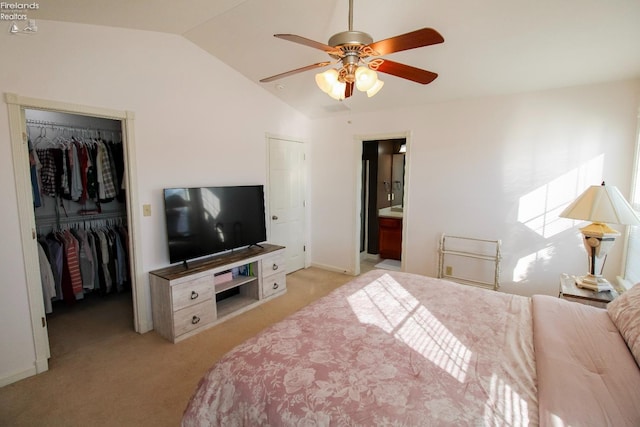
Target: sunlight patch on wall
(539,209)
(387,305)
(534,261)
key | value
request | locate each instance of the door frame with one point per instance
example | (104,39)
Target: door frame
(305,185)
(17,127)
(358,141)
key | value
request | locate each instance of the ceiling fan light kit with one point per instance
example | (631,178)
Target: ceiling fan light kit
(333,83)
(353,50)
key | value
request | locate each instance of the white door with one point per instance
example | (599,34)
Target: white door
(287,199)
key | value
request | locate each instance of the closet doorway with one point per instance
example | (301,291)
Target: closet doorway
(31,120)
(381,206)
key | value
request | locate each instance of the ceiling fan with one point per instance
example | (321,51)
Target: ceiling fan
(359,59)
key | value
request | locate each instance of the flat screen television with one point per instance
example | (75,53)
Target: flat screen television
(207,220)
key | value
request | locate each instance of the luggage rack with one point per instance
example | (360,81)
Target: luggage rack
(457,249)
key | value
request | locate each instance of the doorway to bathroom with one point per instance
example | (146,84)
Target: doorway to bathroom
(382,203)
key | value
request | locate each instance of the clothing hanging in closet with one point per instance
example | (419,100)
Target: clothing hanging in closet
(77,169)
(76,261)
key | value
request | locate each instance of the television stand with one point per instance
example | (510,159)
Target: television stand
(185,302)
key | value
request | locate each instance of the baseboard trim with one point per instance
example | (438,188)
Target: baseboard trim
(17,376)
(332,268)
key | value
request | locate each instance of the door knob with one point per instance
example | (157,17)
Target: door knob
(274,217)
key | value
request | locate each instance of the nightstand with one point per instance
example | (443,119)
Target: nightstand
(571,292)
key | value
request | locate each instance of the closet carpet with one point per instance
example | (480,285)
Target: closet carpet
(102,373)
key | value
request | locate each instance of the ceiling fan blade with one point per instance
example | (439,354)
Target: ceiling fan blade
(348,90)
(408,72)
(296,71)
(305,42)
(412,40)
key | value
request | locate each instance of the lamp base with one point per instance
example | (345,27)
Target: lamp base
(593,283)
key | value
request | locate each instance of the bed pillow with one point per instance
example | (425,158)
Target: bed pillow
(625,314)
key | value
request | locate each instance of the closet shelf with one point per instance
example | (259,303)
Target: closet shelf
(50,220)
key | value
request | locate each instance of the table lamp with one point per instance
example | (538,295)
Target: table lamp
(600,204)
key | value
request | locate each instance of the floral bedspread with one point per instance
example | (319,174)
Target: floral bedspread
(386,349)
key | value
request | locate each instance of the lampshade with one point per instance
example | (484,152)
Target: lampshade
(337,90)
(327,79)
(376,87)
(602,204)
(365,78)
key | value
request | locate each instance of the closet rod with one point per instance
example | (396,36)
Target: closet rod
(70,127)
(52,220)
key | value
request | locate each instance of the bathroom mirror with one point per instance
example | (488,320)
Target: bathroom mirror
(397,179)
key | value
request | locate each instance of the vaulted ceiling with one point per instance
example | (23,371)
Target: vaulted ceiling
(491,47)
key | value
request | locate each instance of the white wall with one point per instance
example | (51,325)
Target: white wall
(494,168)
(197,122)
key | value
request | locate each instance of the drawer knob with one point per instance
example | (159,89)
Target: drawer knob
(194,295)
(195,320)
(275,286)
(275,266)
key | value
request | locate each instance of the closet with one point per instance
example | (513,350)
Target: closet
(77,167)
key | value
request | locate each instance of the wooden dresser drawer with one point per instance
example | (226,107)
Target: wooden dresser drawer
(193,317)
(192,292)
(274,284)
(273,264)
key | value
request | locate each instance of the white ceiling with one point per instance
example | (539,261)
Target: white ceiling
(491,47)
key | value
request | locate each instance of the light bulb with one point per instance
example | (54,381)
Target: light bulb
(327,79)
(376,87)
(366,78)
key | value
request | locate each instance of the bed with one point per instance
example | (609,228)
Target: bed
(398,349)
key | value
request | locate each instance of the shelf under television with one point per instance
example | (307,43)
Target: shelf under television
(233,283)
(233,305)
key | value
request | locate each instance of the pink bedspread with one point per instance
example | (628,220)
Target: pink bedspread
(387,348)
